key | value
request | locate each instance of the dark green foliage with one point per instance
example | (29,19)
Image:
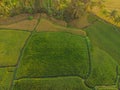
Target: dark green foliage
(53,54)
(30,17)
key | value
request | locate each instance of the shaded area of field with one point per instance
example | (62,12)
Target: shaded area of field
(11,43)
(6,75)
(54,54)
(61,83)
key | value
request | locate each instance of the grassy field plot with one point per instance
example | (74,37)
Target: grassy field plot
(54,54)
(6,75)
(61,83)
(105,54)
(11,43)
(105,36)
(103,69)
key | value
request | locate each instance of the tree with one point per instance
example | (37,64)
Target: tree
(117,19)
(113,14)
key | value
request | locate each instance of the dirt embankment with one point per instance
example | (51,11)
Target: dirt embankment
(48,26)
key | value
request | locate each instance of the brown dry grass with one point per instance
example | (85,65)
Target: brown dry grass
(46,25)
(22,24)
(56,21)
(10,20)
(80,23)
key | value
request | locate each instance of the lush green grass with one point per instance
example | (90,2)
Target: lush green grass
(103,69)
(61,83)
(105,37)
(54,54)
(105,55)
(6,75)
(11,43)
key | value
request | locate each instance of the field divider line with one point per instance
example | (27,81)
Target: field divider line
(45,77)
(89,56)
(7,66)
(10,29)
(21,53)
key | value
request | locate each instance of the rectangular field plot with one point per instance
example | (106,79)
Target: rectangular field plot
(6,75)
(11,42)
(52,54)
(61,83)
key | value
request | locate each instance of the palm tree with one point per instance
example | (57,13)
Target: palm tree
(117,19)
(113,14)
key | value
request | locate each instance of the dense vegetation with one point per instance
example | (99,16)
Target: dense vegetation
(53,56)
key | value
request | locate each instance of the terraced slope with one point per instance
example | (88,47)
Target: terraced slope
(60,58)
(47,55)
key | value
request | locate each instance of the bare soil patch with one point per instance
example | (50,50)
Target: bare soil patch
(10,20)
(79,23)
(53,20)
(21,22)
(48,26)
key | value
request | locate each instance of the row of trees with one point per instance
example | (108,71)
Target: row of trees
(62,9)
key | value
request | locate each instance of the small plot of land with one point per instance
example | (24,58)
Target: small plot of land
(22,25)
(11,43)
(46,25)
(21,22)
(54,54)
(6,75)
(61,83)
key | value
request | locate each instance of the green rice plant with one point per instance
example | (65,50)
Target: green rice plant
(53,54)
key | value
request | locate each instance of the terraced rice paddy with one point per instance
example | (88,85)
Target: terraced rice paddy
(60,58)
